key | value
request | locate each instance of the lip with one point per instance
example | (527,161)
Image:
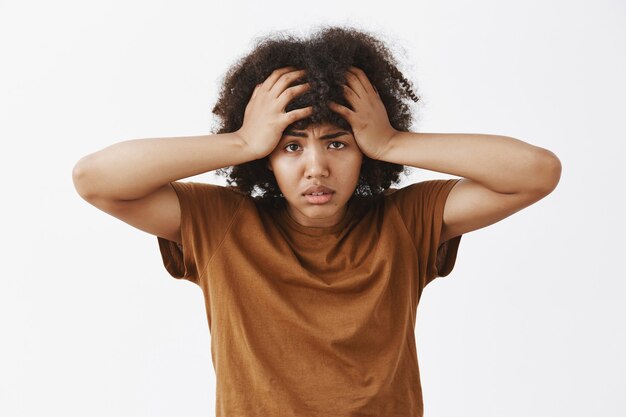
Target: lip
(318,189)
(319,199)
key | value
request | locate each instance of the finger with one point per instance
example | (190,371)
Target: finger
(349,94)
(256,89)
(275,75)
(285,80)
(363,80)
(292,92)
(355,84)
(341,110)
(298,114)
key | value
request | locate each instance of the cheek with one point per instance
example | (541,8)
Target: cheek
(352,166)
(285,176)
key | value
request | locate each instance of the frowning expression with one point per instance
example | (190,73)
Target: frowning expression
(321,155)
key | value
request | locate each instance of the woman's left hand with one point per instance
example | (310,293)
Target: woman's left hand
(369,120)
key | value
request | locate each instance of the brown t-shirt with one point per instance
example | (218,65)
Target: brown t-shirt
(313,322)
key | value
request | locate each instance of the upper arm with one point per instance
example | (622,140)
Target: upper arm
(158,213)
(471,206)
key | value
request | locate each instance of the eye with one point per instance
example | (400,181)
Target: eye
(291,144)
(288,148)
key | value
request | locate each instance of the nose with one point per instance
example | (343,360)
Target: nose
(316,163)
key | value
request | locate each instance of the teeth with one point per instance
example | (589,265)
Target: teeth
(317,193)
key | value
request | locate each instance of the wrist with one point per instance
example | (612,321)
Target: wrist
(244,146)
(386,146)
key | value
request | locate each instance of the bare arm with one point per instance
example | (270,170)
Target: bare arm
(131,180)
(132,169)
(501,175)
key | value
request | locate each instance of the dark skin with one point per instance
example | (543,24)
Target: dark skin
(265,119)
(500,175)
(369,120)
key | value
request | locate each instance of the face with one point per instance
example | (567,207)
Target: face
(321,155)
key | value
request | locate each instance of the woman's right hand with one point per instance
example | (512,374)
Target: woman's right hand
(265,119)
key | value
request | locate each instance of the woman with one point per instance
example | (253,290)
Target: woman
(311,265)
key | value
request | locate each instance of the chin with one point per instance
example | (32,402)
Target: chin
(321,210)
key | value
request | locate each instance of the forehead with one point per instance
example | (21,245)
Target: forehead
(315,129)
(318,126)
(327,119)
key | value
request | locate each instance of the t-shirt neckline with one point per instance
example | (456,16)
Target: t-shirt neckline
(317,231)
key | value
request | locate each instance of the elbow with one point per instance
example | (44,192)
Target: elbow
(548,170)
(79,178)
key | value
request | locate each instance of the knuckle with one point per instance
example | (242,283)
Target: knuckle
(277,72)
(290,93)
(292,75)
(290,117)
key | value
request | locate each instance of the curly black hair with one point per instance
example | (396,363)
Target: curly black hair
(326,55)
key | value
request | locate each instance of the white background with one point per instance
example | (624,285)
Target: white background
(529,323)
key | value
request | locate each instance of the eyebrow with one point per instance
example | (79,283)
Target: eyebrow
(304,135)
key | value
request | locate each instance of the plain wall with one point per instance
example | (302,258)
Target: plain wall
(529,323)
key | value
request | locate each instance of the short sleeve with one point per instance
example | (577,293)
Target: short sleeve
(421,206)
(206,212)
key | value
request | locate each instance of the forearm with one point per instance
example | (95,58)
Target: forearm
(500,163)
(134,168)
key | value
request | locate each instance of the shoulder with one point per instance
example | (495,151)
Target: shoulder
(200,198)
(422,188)
(205,188)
